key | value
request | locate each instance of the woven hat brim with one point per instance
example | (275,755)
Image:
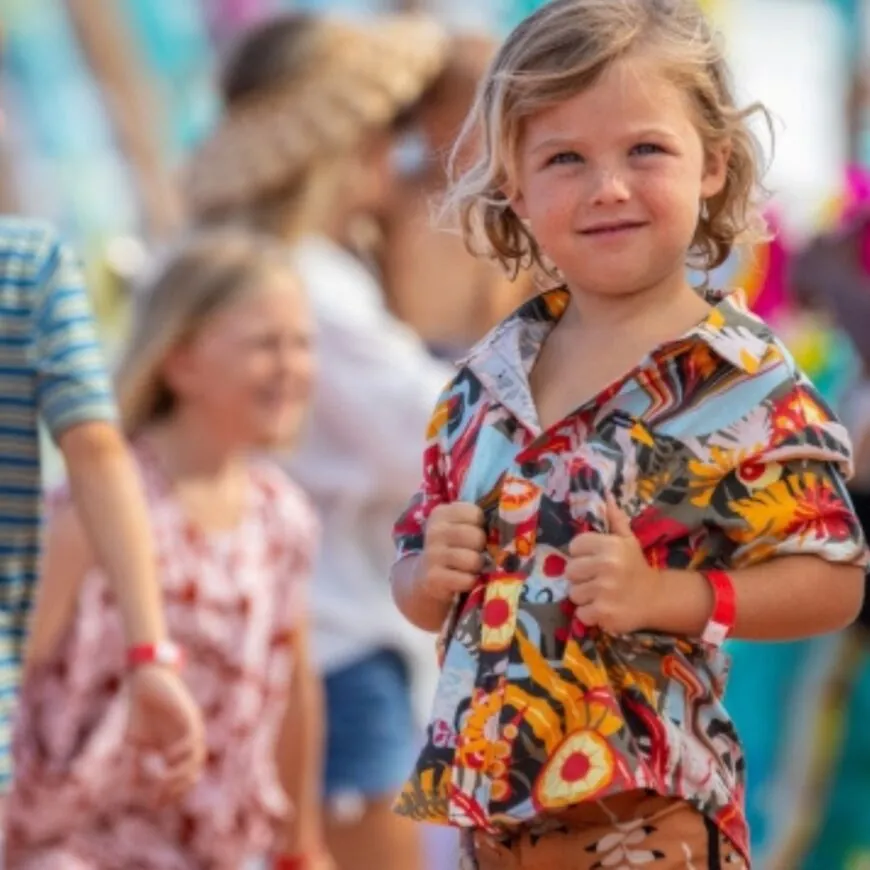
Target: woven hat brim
(369,74)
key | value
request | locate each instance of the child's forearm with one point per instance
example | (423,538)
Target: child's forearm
(786,598)
(300,763)
(418,608)
(105,487)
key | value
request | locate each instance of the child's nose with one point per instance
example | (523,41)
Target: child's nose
(608,187)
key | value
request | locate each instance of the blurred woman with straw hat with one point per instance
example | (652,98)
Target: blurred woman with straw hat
(305,152)
(449,297)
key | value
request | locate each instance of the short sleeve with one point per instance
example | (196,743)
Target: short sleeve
(409,529)
(72,383)
(787,495)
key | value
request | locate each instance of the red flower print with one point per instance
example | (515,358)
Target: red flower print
(820,511)
(653,529)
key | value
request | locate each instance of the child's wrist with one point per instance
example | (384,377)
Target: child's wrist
(681,604)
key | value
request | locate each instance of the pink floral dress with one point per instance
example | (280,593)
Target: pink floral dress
(232,599)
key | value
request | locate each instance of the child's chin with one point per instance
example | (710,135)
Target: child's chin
(283,434)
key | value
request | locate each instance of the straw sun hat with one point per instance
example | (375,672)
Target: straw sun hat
(329,82)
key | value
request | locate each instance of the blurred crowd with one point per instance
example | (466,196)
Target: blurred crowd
(157,134)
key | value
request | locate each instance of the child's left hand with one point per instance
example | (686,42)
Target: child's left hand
(612,583)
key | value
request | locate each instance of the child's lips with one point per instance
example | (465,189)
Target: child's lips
(612,228)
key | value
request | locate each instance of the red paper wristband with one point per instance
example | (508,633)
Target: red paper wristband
(290,862)
(165,653)
(724,615)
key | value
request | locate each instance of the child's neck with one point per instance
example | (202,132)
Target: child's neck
(190,449)
(655,315)
(600,339)
(208,477)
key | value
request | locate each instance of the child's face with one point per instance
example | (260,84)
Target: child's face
(611,181)
(248,371)
(372,181)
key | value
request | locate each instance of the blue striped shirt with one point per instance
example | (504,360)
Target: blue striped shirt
(51,369)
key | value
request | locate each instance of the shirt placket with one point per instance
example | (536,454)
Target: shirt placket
(513,530)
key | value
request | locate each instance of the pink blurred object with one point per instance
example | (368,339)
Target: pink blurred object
(772,294)
(763,273)
(228,17)
(856,194)
(856,209)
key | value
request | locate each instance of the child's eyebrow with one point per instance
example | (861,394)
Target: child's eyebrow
(554,142)
(651,133)
(632,135)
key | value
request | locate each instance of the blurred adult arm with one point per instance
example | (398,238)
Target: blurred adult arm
(76,403)
(300,754)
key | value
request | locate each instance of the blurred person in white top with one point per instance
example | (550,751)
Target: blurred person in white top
(304,152)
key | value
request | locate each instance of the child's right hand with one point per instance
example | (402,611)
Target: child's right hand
(452,550)
(166,721)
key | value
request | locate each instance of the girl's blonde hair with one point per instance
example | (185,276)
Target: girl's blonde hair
(206,273)
(561,50)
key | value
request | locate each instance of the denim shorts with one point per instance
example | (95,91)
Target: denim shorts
(371,741)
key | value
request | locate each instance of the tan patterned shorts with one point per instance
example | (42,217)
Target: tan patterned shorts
(639,831)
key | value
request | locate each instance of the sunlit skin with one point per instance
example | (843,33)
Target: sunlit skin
(248,370)
(611,182)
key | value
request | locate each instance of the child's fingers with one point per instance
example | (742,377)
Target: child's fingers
(617,520)
(180,777)
(183,765)
(174,772)
(182,750)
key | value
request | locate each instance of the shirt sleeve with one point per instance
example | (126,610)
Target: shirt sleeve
(72,383)
(433,490)
(788,496)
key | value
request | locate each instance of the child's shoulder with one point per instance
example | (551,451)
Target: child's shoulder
(741,338)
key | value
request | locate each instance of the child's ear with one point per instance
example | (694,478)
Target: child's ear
(715,170)
(518,204)
(176,368)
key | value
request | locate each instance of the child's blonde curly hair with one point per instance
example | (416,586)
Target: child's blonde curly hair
(559,51)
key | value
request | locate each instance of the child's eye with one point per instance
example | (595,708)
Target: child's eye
(646,148)
(564,157)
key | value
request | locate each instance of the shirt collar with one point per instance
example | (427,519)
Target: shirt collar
(505,357)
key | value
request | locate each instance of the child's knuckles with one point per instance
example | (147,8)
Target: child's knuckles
(579,545)
(611,563)
(574,571)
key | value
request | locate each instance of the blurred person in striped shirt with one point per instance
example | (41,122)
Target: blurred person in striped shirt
(52,373)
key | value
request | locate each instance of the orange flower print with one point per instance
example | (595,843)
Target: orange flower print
(499,613)
(480,730)
(797,411)
(803,505)
(519,500)
(579,770)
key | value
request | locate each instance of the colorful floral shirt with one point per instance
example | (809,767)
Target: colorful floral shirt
(722,454)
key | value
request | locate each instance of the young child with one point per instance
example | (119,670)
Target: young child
(623,474)
(53,375)
(219,365)
(304,152)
